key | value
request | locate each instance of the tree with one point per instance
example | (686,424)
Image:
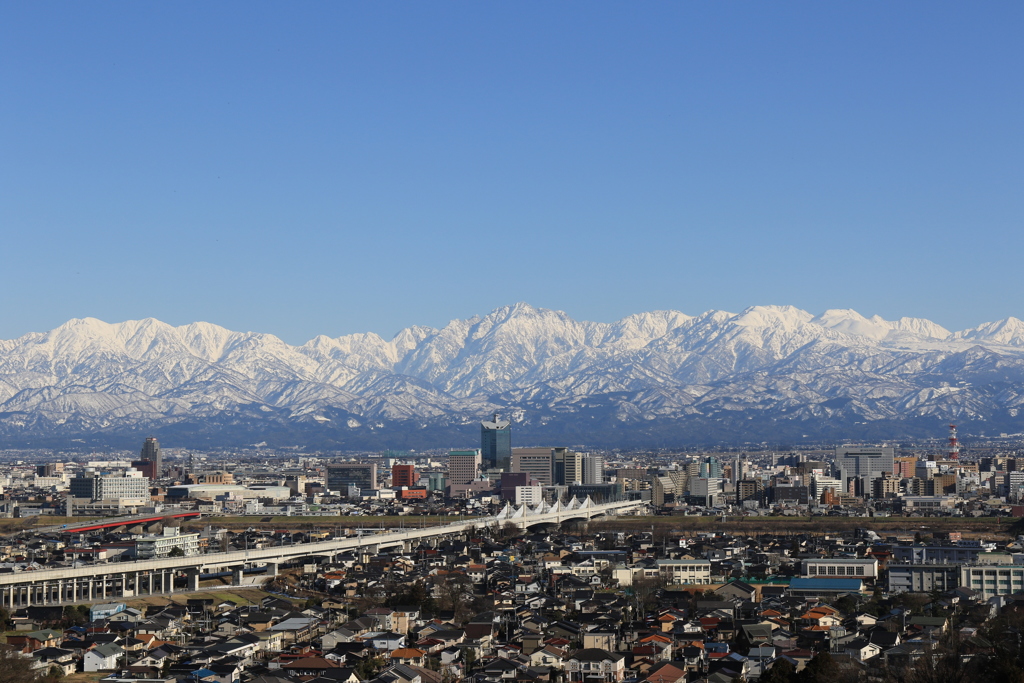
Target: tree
(782,671)
(454,592)
(369,667)
(469,655)
(16,667)
(645,590)
(73,616)
(846,604)
(821,669)
(176,552)
(606,574)
(1005,664)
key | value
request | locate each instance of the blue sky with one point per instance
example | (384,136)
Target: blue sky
(341,167)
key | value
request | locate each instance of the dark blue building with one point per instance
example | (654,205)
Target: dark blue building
(496,444)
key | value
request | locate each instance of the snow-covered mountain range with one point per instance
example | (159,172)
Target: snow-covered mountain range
(657,378)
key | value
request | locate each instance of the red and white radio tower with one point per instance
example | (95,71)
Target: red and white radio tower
(954,444)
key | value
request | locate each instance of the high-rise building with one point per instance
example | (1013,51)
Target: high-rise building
(342,475)
(886,487)
(147,467)
(539,463)
(662,490)
(496,443)
(681,481)
(593,469)
(404,475)
(711,468)
(151,452)
(706,491)
(749,490)
(904,468)
(568,466)
(819,483)
(463,466)
(863,464)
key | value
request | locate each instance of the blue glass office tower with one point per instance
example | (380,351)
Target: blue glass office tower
(711,468)
(496,444)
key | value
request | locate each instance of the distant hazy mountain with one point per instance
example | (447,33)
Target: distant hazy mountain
(663,378)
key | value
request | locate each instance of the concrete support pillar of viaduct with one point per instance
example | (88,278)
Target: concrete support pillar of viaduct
(236,575)
(192,580)
(271,569)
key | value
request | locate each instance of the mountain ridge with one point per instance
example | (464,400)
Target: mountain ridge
(712,377)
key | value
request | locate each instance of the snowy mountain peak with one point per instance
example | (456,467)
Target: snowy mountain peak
(1009,331)
(850,322)
(789,317)
(776,363)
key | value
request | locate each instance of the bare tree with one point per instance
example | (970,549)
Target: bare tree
(455,591)
(509,530)
(645,590)
(16,667)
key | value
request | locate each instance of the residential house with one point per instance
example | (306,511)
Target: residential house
(104,657)
(595,665)
(57,658)
(35,640)
(408,655)
(105,610)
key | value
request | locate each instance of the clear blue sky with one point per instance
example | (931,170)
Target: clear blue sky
(306,168)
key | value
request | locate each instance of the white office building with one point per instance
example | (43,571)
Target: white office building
(685,571)
(593,469)
(834,568)
(992,580)
(161,545)
(864,464)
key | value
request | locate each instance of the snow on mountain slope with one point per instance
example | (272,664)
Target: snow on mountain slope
(905,329)
(1009,331)
(543,366)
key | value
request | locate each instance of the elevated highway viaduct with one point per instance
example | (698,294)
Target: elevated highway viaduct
(147,577)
